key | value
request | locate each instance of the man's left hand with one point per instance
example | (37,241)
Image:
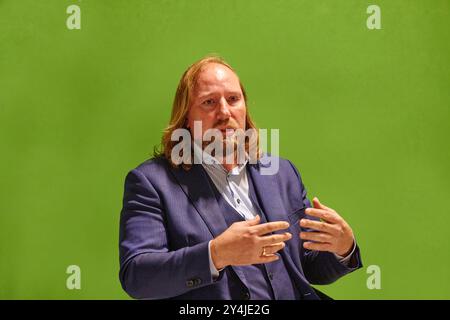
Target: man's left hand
(331,234)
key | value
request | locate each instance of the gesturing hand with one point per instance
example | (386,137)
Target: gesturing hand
(244,243)
(331,234)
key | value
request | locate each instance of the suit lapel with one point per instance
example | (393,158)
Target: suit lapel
(195,185)
(268,191)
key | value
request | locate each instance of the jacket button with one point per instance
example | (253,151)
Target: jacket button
(190,283)
(197,281)
(246,296)
(271,276)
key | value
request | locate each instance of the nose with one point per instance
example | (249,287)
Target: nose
(224,111)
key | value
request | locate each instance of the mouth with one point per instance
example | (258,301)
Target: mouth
(227,131)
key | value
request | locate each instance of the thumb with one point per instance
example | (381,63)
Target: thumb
(254,221)
(318,205)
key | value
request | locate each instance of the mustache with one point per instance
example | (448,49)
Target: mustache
(226,124)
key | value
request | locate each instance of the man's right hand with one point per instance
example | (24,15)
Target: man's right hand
(244,243)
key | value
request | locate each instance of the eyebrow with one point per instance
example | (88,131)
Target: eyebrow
(212,93)
(205,95)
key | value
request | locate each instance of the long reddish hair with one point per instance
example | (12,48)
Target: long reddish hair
(181,105)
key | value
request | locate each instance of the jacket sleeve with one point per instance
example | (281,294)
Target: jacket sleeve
(148,268)
(322,267)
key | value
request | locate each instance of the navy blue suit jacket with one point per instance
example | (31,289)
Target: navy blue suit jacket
(169,215)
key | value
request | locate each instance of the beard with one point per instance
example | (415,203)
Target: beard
(227,149)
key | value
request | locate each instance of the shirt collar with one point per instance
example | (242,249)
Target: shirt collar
(212,163)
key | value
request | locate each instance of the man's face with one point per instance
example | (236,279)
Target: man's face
(217,100)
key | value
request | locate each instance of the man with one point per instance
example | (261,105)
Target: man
(222,229)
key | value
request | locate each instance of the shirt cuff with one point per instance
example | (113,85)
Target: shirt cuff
(212,268)
(345,260)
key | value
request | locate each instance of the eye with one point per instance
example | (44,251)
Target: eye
(208,102)
(233,99)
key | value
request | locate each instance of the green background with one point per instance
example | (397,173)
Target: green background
(364,115)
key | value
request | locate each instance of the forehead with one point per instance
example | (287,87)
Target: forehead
(215,76)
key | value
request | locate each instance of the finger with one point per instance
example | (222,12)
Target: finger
(317,204)
(273,248)
(316,236)
(325,215)
(317,246)
(254,221)
(268,227)
(275,238)
(319,226)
